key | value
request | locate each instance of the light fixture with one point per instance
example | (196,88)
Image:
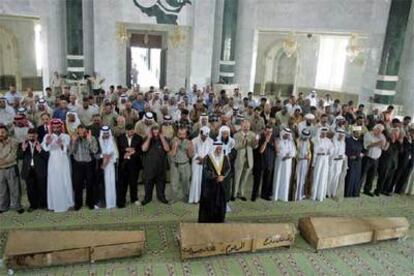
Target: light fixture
(177,36)
(146,39)
(290,45)
(123,35)
(353,49)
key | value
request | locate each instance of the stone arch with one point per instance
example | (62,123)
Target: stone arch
(273,58)
(9,56)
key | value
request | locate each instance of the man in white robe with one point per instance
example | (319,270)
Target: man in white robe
(321,151)
(202,146)
(304,155)
(285,151)
(336,164)
(59,181)
(109,154)
(313,98)
(308,123)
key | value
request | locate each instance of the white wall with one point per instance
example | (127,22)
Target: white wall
(368,17)
(23,30)
(110,53)
(50,13)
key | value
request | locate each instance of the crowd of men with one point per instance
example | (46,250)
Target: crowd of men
(72,138)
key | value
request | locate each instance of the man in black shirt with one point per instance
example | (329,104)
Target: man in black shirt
(129,146)
(155,148)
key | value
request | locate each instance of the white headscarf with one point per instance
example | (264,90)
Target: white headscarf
(288,147)
(217,159)
(205,130)
(227,148)
(108,145)
(339,146)
(72,126)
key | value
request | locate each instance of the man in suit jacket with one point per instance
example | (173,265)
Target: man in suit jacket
(246,141)
(42,129)
(34,170)
(129,146)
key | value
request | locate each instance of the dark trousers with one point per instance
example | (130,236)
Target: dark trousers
(159,182)
(83,177)
(267,183)
(257,173)
(352,179)
(402,174)
(370,170)
(386,170)
(128,178)
(36,190)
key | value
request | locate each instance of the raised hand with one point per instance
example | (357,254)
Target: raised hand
(38,146)
(89,135)
(24,145)
(59,142)
(48,139)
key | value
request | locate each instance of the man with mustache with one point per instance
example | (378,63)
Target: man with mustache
(9,178)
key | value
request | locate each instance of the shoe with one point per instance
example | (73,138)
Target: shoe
(386,194)
(253,199)
(91,207)
(369,194)
(232,198)
(267,198)
(30,209)
(137,203)
(145,202)
(96,207)
(242,198)
(20,211)
(377,193)
(163,200)
(77,208)
(228,209)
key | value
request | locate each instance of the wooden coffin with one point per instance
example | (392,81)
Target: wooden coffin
(208,239)
(330,232)
(26,249)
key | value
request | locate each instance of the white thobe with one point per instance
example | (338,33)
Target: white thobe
(302,169)
(109,174)
(336,167)
(201,149)
(59,181)
(321,168)
(283,170)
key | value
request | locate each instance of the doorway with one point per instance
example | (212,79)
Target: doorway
(146,61)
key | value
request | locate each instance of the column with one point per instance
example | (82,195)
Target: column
(53,38)
(202,42)
(218,27)
(405,86)
(88,41)
(74,35)
(391,53)
(228,41)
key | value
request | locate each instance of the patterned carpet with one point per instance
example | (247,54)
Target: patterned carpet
(161,256)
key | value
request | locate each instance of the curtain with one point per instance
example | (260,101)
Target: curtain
(331,62)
